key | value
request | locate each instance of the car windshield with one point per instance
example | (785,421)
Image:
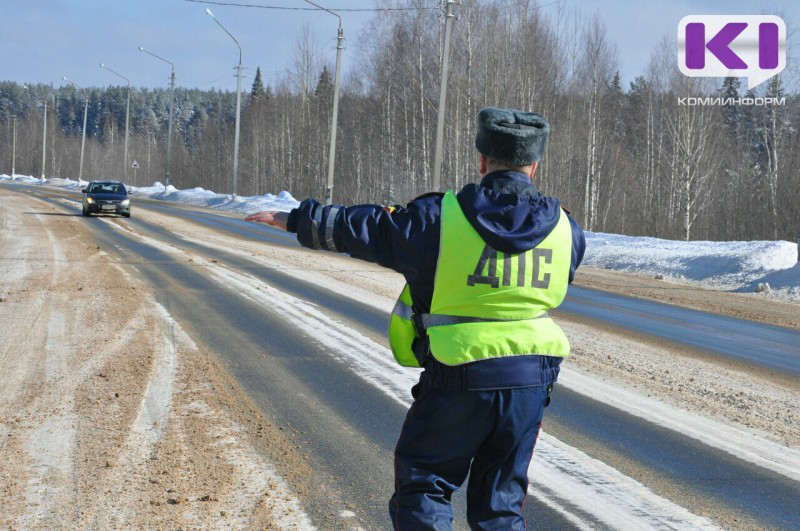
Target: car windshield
(108,188)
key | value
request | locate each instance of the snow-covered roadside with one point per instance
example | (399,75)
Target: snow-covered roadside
(724,266)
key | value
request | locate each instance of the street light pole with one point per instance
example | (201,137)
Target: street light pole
(437,159)
(335,112)
(83,135)
(44,139)
(14,148)
(127,121)
(171,102)
(238,105)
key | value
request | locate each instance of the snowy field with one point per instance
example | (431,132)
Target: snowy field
(728,266)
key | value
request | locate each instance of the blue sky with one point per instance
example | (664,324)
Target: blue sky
(43,40)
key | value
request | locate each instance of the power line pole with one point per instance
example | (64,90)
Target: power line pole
(334,119)
(169,127)
(83,135)
(14,148)
(238,104)
(236,134)
(335,112)
(171,105)
(437,159)
(127,121)
(44,139)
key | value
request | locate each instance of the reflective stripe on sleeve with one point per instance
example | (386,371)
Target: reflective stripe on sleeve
(330,245)
(315,223)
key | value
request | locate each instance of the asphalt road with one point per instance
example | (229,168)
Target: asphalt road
(770,347)
(349,428)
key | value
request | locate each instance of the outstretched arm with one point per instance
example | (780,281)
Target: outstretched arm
(270,217)
(398,238)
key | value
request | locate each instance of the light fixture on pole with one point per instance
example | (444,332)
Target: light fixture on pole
(83,135)
(127,121)
(437,158)
(238,105)
(335,112)
(171,102)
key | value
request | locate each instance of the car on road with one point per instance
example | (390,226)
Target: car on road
(106,197)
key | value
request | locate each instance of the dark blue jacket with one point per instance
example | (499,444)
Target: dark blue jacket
(505,209)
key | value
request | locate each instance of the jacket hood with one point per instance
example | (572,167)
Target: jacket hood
(508,212)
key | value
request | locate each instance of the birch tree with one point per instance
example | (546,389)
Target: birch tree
(772,131)
(694,160)
(598,67)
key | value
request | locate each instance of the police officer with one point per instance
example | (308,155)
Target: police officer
(483,267)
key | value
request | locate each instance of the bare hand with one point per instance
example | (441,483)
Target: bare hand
(270,217)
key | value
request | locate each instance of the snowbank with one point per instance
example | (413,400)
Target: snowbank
(733,266)
(201,197)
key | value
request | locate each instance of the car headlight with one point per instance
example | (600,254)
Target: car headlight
(89,200)
(126,202)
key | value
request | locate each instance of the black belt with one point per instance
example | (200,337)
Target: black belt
(492,374)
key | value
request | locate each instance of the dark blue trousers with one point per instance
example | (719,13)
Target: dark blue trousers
(450,433)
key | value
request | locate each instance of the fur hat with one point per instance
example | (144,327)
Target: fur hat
(514,137)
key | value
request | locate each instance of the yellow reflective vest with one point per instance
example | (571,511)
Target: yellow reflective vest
(487,304)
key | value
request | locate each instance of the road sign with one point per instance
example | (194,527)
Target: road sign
(135,165)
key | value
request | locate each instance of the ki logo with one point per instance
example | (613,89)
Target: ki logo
(751,46)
